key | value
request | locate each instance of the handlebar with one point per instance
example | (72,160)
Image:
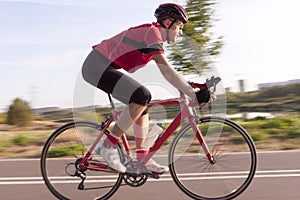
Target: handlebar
(209,83)
(212,82)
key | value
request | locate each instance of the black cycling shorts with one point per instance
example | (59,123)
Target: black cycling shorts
(98,71)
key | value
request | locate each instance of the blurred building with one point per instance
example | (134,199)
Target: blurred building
(241,84)
(268,85)
(228,89)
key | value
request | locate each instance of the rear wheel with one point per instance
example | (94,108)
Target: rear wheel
(61,164)
(234,153)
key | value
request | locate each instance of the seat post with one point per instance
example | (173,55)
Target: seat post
(111,101)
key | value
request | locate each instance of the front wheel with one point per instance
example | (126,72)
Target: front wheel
(61,164)
(235,160)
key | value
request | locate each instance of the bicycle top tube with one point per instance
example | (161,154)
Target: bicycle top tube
(183,99)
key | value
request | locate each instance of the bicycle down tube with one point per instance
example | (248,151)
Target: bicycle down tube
(182,115)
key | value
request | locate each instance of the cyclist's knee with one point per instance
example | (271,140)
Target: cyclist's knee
(141,96)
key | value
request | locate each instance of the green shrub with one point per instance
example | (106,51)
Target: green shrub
(293,132)
(259,135)
(19,113)
(22,139)
(273,123)
(3,145)
(3,117)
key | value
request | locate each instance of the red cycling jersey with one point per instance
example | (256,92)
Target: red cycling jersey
(133,48)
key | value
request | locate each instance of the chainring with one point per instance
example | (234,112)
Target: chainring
(134,175)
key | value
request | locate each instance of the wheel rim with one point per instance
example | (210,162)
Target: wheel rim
(59,157)
(225,179)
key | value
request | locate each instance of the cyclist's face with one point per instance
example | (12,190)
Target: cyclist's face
(175,30)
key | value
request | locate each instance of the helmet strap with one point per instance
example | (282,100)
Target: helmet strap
(160,21)
(168,32)
(173,22)
(167,29)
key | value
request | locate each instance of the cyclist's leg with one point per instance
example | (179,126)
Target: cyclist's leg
(130,92)
(99,72)
(128,117)
(141,128)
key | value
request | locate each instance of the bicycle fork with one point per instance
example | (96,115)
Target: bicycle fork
(201,140)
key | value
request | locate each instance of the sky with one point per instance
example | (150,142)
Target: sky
(43,43)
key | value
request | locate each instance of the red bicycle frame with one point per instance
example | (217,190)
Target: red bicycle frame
(182,115)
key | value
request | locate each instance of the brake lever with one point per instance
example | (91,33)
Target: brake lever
(212,82)
(215,87)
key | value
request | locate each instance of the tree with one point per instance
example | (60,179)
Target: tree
(195,50)
(19,113)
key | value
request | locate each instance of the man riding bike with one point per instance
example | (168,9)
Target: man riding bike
(131,50)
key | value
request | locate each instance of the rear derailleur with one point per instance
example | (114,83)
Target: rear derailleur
(79,171)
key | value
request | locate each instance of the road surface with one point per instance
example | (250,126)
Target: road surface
(277,177)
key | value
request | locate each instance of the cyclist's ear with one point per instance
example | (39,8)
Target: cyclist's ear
(166,22)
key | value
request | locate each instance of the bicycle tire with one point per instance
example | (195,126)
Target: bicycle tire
(58,162)
(228,177)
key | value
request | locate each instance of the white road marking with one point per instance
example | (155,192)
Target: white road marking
(166,177)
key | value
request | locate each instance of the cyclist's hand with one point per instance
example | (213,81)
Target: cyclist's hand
(213,97)
(205,96)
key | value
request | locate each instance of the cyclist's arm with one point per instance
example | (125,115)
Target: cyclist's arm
(172,76)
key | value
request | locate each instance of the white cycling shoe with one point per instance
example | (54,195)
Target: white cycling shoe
(154,167)
(111,156)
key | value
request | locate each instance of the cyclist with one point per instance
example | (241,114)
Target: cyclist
(131,50)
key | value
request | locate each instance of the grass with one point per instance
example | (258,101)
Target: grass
(278,133)
(69,150)
(23,140)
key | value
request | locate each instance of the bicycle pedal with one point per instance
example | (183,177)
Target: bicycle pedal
(151,174)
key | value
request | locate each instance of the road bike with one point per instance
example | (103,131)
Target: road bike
(209,157)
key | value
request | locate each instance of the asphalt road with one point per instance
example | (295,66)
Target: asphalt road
(277,177)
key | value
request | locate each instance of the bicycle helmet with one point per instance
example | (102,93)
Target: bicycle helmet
(171,10)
